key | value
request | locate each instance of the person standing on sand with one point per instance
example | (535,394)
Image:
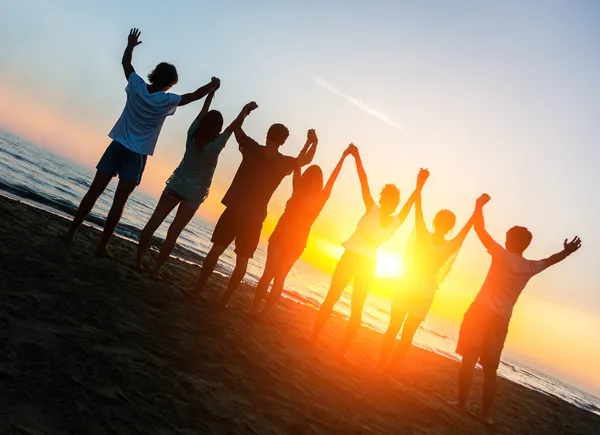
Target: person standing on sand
(190,183)
(375,227)
(258,176)
(485,324)
(429,258)
(134,138)
(288,240)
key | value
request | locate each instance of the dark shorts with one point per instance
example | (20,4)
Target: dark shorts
(233,225)
(120,160)
(482,336)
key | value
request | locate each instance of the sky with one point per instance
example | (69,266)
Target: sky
(496,97)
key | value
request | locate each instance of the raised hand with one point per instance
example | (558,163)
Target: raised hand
(482,200)
(573,245)
(249,107)
(311,137)
(133,38)
(216,82)
(352,149)
(422,178)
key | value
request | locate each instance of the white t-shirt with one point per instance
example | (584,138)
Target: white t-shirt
(142,119)
(506,279)
(369,235)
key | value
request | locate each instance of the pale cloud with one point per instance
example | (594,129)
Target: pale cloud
(356,102)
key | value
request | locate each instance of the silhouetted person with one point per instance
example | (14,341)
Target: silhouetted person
(358,262)
(258,176)
(485,324)
(190,183)
(428,260)
(134,138)
(288,240)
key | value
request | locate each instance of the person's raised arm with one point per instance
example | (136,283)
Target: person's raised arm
(462,235)
(568,249)
(479,223)
(309,149)
(362,177)
(132,42)
(420,225)
(236,126)
(405,210)
(201,92)
(326,192)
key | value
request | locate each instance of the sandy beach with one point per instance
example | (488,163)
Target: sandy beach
(90,346)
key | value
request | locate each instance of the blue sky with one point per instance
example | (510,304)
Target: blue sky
(501,97)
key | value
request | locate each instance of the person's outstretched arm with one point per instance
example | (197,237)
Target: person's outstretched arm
(132,42)
(205,106)
(326,193)
(309,149)
(462,235)
(236,124)
(201,92)
(362,177)
(479,223)
(568,249)
(404,211)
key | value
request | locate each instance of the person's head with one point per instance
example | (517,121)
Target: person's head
(389,198)
(443,222)
(164,76)
(209,127)
(518,239)
(277,135)
(312,180)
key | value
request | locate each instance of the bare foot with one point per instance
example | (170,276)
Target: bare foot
(103,253)
(137,264)
(155,275)
(487,420)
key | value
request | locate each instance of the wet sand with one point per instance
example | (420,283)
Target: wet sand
(90,346)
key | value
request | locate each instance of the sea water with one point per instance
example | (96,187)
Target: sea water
(45,180)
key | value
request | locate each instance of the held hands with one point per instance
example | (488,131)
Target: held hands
(352,150)
(422,178)
(250,107)
(216,83)
(133,38)
(572,246)
(311,137)
(482,200)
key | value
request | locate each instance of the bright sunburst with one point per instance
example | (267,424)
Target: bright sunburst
(388,265)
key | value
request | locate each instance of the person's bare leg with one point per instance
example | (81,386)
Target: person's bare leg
(397,316)
(98,186)
(341,277)
(182,218)
(408,332)
(271,264)
(489,393)
(122,193)
(278,284)
(359,296)
(465,379)
(209,264)
(241,264)
(165,205)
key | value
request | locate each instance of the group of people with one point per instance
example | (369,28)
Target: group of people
(430,254)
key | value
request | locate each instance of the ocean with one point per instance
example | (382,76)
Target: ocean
(44,180)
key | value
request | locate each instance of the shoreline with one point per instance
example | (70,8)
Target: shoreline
(94,346)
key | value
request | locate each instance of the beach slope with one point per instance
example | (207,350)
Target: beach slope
(91,346)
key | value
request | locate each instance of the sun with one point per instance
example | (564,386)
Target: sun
(388,265)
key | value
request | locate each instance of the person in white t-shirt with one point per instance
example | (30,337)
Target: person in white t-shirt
(134,137)
(358,262)
(485,324)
